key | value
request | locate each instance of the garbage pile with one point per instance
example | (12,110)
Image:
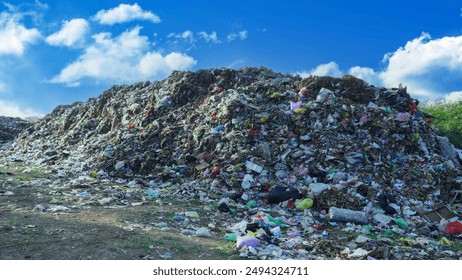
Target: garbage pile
(308,161)
(10,128)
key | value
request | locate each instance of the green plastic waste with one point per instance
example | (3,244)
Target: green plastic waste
(304,203)
(368,227)
(402,223)
(276,221)
(152,193)
(389,232)
(231,236)
(251,203)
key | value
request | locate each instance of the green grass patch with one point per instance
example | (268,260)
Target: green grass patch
(455,246)
(141,242)
(448,119)
(92,241)
(195,202)
(32,236)
(23,173)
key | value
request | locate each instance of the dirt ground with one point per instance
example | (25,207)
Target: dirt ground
(95,232)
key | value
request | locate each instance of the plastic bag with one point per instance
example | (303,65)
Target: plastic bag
(453,228)
(280,194)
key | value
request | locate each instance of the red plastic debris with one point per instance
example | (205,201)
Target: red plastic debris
(149,112)
(291,203)
(346,122)
(216,170)
(453,228)
(412,108)
(252,133)
(304,91)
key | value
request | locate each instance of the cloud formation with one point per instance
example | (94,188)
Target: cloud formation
(190,37)
(72,32)
(153,64)
(126,58)
(11,109)
(125,13)
(212,37)
(209,38)
(242,35)
(187,36)
(367,74)
(327,69)
(453,97)
(430,68)
(14,36)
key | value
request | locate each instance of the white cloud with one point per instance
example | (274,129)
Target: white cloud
(328,69)
(453,97)
(303,74)
(242,35)
(187,35)
(332,69)
(34,10)
(367,74)
(14,36)
(125,13)
(190,37)
(430,68)
(153,63)
(11,109)
(126,58)
(72,32)
(209,38)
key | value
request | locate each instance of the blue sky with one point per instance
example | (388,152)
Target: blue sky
(59,52)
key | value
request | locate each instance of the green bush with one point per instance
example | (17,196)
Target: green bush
(448,119)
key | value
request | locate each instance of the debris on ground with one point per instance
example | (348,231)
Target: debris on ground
(290,168)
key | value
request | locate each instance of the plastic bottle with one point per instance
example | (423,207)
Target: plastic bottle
(152,193)
(248,182)
(347,216)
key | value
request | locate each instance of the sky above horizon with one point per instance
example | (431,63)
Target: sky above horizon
(58,52)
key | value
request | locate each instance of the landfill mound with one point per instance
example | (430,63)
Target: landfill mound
(10,128)
(213,122)
(253,135)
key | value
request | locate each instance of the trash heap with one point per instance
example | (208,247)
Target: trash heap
(306,162)
(10,128)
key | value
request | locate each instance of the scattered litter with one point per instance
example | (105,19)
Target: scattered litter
(289,168)
(203,232)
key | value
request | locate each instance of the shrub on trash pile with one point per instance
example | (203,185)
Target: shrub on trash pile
(217,123)
(448,119)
